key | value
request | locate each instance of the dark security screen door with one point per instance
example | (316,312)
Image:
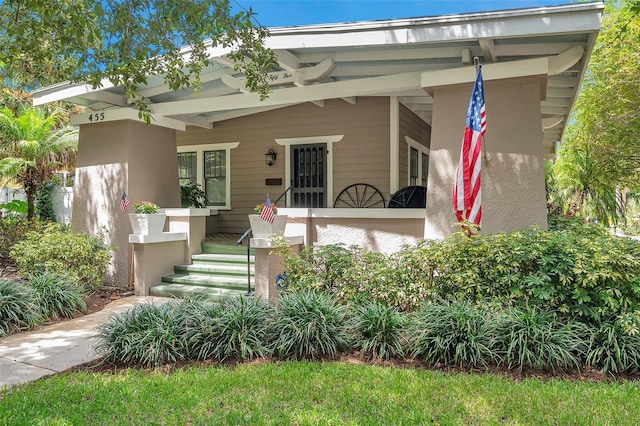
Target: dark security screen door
(308,174)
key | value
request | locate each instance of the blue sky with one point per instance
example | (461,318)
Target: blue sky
(277,13)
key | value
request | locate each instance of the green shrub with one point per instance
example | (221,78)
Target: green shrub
(244,329)
(532,337)
(13,228)
(147,334)
(310,325)
(583,272)
(56,295)
(44,201)
(18,310)
(352,274)
(613,350)
(379,330)
(457,333)
(56,250)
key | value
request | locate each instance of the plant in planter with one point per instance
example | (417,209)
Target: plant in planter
(145,207)
(146,218)
(265,221)
(191,195)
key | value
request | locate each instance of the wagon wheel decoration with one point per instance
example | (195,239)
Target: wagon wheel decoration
(359,196)
(409,197)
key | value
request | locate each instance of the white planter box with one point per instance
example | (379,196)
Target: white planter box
(263,229)
(147,224)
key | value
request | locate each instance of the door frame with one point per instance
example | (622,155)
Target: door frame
(329,140)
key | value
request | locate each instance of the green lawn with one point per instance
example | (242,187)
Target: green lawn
(307,393)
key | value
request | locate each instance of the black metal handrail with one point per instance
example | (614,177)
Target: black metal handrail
(244,237)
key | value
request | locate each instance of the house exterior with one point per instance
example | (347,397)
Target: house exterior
(381,103)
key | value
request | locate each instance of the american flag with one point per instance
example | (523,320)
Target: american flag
(466,200)
(124,202)
(267,212)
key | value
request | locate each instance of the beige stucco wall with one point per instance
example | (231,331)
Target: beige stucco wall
(121,156)
(382,230)
(361,156)
(513,193)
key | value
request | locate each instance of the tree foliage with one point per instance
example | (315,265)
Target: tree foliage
(600,151)
(33,145)
(127,42)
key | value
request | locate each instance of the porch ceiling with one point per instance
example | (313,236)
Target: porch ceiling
(400,57)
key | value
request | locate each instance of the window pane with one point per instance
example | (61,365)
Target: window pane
(187,167)
(425,169)
(413,167)
(215,177)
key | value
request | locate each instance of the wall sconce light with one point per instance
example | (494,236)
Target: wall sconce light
(270,157)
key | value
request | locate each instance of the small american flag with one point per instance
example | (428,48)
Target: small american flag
(466,200)
(267,212)
(124,202)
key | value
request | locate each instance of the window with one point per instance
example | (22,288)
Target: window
(187,167)
(413,166)
(418,162)
(215,177)
(425,169)
(209,166)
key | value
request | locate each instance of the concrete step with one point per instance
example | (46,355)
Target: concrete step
(182,290)
(217,248)
(214,269)
(228,282)
(221,258)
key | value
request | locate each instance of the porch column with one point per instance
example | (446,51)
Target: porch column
(122,156)
(513,192)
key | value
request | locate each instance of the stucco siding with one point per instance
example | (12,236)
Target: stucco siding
(361,155)
(513,194)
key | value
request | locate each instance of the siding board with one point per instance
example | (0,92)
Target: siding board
(361,156)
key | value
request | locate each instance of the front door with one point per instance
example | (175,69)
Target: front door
(308,173)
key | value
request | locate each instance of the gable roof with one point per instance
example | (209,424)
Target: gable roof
(404,58)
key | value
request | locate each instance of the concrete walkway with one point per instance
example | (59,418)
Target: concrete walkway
(25,357)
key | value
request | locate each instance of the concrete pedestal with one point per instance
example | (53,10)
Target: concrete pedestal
(193,222)
(155,256)
(268,264)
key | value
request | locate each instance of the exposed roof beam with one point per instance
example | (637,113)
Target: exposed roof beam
(396,54)
(124,114)
(164,88)
(287,60)
(228,115)
(300,77)
(488,49)
(107,97)
(338,89)
(64,91)
(194,120)
(540,49)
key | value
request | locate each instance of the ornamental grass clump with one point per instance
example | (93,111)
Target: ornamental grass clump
(242,331)
(57,295)
(18,310)
(456,333)
(379,330)
(310,325)
(536,338)
(148,335)
(613,350)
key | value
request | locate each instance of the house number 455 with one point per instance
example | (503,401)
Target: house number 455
(98,116)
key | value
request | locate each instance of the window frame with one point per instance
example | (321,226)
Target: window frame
(422,150)
(200,150)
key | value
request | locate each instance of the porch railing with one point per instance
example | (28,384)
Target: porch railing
(245,236)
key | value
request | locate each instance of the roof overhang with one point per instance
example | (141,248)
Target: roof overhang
(405,58)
